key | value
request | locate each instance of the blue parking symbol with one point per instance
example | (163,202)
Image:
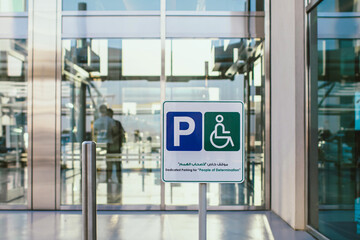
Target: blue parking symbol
(184,131)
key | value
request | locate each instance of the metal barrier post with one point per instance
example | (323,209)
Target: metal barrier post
(89,190)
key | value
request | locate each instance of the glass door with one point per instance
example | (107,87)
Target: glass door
(13,124)
(216,70)
(111,95)
(117,68)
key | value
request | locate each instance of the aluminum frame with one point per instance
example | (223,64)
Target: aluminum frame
(306,107)
(267,159)
(58,106)
(162,86)
(310,134)
(315,233)
(43,63)
(30,104)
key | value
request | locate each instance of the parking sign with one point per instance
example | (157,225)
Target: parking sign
(203,141)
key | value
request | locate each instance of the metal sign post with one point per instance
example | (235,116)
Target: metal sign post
(89,190)
(203,141)
(202,211)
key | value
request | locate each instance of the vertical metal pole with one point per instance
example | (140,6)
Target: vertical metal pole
(202,211)
(267,153)
(1,125)
(89,190)
(162,81)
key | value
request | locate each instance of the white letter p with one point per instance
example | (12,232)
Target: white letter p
(178,132)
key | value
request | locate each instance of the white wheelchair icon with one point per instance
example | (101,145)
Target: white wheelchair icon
(214,134)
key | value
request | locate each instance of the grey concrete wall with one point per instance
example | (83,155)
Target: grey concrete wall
(287,111)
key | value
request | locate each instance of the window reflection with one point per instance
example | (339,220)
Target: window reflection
(225,69)
(121,76)
(111,94)
(335,116)
(13,122)
(215,5)
(111,5)
(339,6)
(338,126)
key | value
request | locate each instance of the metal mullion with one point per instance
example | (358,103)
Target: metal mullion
(43,36)
(315,233)
(162,83)
(306,115)
(30,41)
(58,106)
(312,131)
(267,153)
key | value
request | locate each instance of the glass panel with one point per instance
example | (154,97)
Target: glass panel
(13,5)
(339,6)
(215,5)
(226,69)
(334,181)
(111,94)
(13,122)
(112,5)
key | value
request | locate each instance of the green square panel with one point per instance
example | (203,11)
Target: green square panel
(222,131)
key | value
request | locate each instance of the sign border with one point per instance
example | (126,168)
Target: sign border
(163,141)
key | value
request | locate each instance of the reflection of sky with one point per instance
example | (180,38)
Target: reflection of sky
(327,6)
(337,5)
(184,57)
(142,57)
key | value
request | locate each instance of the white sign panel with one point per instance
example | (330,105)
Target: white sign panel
(203,141)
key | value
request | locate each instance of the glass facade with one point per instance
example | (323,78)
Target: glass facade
(171,5)
(107,98)
(215,5)
(215,70)
(334,196)
(89,80)
(339,6)
(13,122)
(111,5)
(104,74)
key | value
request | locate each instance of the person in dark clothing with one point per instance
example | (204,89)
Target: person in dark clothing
(118,136)
(103,127)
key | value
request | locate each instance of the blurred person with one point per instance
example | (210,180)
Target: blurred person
(104,127)
(118,137)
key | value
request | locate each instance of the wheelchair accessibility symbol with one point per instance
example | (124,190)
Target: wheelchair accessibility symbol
(223,132)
